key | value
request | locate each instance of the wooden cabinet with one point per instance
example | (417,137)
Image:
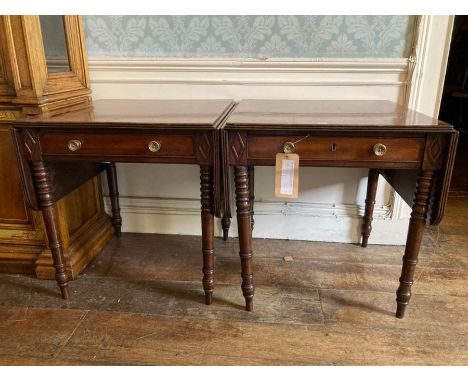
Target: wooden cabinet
(33,80)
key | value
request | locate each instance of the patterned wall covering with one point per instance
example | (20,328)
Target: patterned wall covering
(249,36)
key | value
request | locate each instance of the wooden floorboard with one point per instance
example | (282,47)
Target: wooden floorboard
(141,303)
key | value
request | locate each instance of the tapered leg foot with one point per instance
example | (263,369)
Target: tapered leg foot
(249,304)
(364,242)
(64,291)
(226,224)
(400,313)
(413,241)
(372,182)
(208,298)
(207,220)
(245,234)
(114,198)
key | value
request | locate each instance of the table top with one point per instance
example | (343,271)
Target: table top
(324,114)
(115,113)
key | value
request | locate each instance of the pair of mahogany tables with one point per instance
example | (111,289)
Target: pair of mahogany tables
(57,152)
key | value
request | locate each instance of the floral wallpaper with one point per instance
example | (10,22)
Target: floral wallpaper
(249,36)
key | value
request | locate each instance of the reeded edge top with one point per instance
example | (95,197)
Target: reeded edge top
(335,115)
(89,117)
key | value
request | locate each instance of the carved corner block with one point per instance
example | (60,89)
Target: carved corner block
(204,148)
(32,145)
(237,146)
(435,152)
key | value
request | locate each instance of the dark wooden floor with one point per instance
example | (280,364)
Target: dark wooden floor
(141,302)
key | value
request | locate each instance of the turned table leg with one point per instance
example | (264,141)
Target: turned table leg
(413,241)
(114,198)
(207,218)
(226,223)
(245,233)
(372,182)
(44,189)
(252,194)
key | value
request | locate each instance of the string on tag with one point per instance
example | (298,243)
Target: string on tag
(299,140)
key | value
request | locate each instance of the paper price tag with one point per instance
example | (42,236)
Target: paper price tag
(287,176)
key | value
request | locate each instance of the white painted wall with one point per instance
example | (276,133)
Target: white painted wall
(164,198)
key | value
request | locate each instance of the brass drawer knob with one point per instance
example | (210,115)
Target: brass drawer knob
(380,149)
(288,148)
(74,145)
(154,146)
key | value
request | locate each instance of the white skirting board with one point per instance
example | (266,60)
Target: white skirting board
(274,220)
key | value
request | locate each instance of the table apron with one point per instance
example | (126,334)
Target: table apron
(338,163)
(120,159)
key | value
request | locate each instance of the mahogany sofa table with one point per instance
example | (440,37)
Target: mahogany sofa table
(59,151)
(414,153)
